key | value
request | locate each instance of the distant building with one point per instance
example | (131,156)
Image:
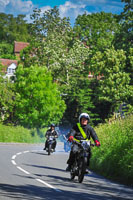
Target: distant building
(18,46)
(10,65)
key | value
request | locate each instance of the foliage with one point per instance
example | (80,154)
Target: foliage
(63,55)
(114,87)
(96,29)
(49,39)
(6,100)
(38,101)
(13,28)
(6,51)
(100,31)
(115,156)
(123,38)
(79,100)
(20,134)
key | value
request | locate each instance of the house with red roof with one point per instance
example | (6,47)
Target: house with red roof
(18,46)
(10,65)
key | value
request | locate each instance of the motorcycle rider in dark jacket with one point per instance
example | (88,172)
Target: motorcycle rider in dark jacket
(51,132)
(75,134)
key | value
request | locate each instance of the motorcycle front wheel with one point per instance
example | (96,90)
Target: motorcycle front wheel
(82,169)
(72,175)
(49,149)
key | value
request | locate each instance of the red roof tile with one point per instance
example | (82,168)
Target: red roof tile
(7,62)
(18,46)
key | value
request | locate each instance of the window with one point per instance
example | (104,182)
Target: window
(9,71)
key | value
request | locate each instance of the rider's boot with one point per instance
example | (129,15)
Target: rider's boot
(87,170)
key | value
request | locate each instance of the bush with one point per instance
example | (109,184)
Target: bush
(20,134)
(115,156)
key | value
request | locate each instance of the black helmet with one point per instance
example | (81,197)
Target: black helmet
(85,115)
(52,125)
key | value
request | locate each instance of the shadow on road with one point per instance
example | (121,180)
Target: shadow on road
(95,184)
(30,192)
(44,167)
(92,188)
(41,153)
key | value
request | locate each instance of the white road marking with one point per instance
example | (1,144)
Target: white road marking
(19,153)
(26,172)
(13,157)
(50,186)
(25,151)
(23,170)
(13,162)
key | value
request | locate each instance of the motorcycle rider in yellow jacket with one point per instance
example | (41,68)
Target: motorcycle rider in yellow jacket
(81,131)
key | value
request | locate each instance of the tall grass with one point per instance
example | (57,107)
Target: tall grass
(114,159)
(20,134)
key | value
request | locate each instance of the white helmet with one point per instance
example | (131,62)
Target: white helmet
(85,115)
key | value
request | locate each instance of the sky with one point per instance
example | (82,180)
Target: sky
(67,8)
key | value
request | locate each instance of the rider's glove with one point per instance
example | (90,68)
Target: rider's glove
(97,143)
(70,139)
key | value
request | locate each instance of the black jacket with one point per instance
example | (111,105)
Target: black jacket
(51,133)
(89,131)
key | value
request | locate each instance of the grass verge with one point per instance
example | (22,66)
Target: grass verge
(20,134)
(114,158)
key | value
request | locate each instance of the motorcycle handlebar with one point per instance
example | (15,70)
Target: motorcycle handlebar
(93,145)
(51,136)
(74,141)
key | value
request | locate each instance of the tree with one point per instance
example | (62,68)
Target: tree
(38,101)
(13,28)
(96,29)
(102,31)
(54,46)
(6,51)
(6,100)
(114,87)
(123,38)
(79,100)
(49,35)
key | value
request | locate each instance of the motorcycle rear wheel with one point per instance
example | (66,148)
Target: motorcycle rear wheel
(82,169)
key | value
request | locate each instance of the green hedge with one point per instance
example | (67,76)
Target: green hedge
(20,134)
(114,158)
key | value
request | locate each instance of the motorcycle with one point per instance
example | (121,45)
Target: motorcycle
(80,164)
(50,146)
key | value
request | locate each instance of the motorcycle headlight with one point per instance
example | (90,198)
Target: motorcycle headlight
(86,144)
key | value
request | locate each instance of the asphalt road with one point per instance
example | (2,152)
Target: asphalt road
(27,173)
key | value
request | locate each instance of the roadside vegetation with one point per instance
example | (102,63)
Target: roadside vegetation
(114,159)
(20,134)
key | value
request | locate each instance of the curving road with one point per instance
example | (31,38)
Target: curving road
(27,173)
